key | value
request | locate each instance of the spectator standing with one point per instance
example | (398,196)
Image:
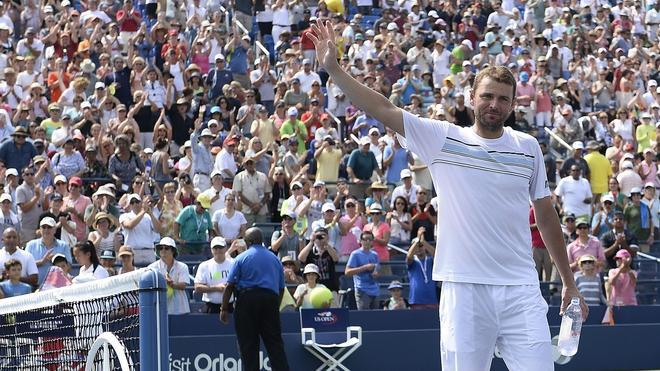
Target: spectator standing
(574,193)
(253,190)
(176,276)
(31,203)
(229,222)
(294,129)
(138,227)
(319,252)
(211,277)
(599,169)
(407,190)
(10,251)
(623,280)
(361,166)
(381,234)
(43,249)
(628,179)
(328,158)
(648,169)
(202,160)
(17,153)
(585,244)
(351,225)
(603,220)
(639,220)
(286,242)
(363,265)
(575,159)
(193,226)
(75,204)
(419,259)
(218,77)
(651,200)
(257,281)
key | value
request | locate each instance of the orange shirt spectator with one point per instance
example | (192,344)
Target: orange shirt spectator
(53,84)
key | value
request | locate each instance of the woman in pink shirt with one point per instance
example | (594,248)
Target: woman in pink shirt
(381,231)
(622,281)
(543,104)
(350,225)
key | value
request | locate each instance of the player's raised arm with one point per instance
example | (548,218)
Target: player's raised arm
(363,97)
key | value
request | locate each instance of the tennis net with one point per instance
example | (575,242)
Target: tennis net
(71,327)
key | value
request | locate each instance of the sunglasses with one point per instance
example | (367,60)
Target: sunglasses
(583,227)
(587,262)
(350,205)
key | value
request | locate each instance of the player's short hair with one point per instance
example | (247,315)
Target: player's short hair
(500,74)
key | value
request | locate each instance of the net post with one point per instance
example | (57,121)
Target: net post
(154,346)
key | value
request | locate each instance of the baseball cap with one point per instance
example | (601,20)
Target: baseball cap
(219,242)
(635,190)
(578,145)
(134,196)
(58,257)
(76,181)
(108,254)
(328,206)
(11,171)
(47,221)
(627,165)
(586,258)
(569,217)
(296,184)
(607,197)
(204,200)
(293,111)
(166,241)
(394,285)
(215,109)
(56,196)
(311,268)
(125,250)
(405,173)
(649,185)
(622,254)
(5,197)
(99,85)
(59,178)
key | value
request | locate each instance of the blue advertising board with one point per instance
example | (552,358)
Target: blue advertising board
(410,340)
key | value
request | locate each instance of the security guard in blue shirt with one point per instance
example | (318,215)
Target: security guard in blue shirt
(257,281)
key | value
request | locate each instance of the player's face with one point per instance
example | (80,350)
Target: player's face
(493,102)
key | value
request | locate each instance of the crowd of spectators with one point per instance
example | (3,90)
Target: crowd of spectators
(130,128)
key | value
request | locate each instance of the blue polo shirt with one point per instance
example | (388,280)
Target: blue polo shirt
(363,281)
(422,286)
(14,157)
(257,267)
(38,250)
(9,289)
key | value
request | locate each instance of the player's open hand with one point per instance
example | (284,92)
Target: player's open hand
(323,38)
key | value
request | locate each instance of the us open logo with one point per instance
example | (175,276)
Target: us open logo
(326,318)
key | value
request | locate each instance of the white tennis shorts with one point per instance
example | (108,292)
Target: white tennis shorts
(475,318)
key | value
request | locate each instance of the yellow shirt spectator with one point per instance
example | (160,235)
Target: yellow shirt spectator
(599,168)
(645,133)
(328,158)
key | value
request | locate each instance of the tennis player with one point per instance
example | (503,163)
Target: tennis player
(485,176)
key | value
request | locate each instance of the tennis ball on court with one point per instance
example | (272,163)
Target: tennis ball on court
(321,297)
(335,6)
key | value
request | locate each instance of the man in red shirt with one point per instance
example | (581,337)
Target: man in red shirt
(128,20)
(306,43)
(312,118)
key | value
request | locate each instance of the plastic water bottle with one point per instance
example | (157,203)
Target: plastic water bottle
(571,326)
